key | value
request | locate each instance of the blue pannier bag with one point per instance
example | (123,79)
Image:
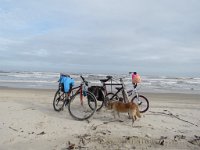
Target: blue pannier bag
(67,82)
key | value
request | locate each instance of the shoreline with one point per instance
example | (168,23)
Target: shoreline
(140,91)
(28,121)
(151,93)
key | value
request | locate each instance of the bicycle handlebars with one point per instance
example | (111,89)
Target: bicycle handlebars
(109,77)
(133,72)
(86,82)
(82,78)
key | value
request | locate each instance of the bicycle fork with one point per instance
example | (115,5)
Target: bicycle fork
(82,93)
(137,97)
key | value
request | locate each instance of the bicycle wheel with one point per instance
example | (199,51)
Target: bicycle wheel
(111,97)
(59,100)
(142,102)
(82,109)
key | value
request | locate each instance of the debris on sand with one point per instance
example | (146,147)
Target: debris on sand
(41,133)
(179,137)
(162,140)
(13,129)
(70,145)
(195,141)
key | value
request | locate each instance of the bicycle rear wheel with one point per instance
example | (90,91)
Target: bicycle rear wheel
(82,109)
(59,100)
(142,102)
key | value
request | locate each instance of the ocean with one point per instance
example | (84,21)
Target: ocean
(48,80)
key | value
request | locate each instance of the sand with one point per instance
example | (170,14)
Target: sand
(28,121)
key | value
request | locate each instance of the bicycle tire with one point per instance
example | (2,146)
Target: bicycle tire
(85,110)
(59,100)
(144,103)
(110,96)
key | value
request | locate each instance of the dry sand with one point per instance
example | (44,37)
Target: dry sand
(28,121)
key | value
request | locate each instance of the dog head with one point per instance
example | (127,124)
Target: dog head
(109,105)
(106,101)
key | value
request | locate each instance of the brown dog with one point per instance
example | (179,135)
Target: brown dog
(121,107)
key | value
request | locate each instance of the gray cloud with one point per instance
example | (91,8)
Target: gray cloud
(152,37)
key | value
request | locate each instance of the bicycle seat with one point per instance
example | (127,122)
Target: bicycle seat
(105,80)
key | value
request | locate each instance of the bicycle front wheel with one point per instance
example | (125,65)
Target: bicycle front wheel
(82,107)
(59,100)
(142,102)
(112,97)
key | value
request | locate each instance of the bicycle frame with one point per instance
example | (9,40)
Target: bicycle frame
(130,92)
(111,84)
(103,81)
(79,89)
(125,93)
(118,90)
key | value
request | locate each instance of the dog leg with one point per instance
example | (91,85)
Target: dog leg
(129,116)
(133,120)
(114,114)
(118,114)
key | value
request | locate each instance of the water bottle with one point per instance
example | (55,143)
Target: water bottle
(84,91)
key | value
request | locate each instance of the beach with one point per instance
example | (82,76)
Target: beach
(28,121)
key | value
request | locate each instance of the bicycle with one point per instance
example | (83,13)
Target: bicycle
(139,99)
(101,91)
(82,104)
(61,98)
(115,96)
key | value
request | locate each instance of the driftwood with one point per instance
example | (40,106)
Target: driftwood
(171,115)
(13,129)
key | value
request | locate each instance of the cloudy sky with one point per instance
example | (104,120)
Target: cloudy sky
(101,36)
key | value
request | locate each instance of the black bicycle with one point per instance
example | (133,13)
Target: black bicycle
(141,100)
(101,91)
(82,104)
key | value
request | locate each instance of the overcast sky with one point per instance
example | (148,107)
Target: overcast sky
(101,36)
